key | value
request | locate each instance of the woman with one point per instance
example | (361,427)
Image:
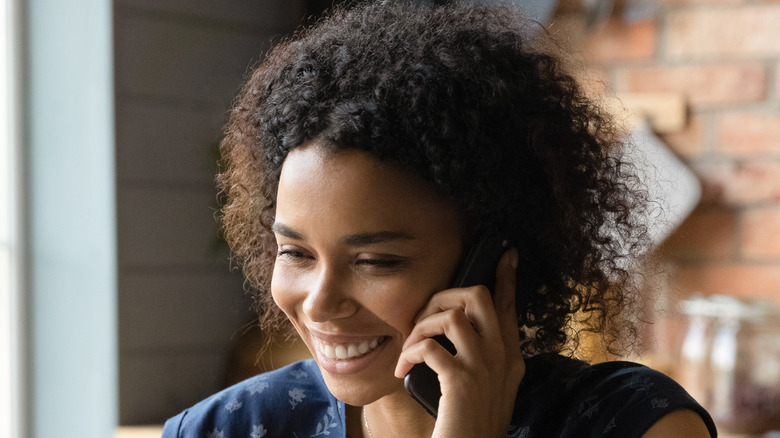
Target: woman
(364,157)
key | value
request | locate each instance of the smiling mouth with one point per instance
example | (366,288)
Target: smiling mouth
(347,351)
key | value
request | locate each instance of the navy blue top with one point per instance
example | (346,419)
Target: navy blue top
(559,397)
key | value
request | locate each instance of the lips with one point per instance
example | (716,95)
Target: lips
(347,351)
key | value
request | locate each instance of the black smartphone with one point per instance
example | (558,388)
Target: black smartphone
(478,267)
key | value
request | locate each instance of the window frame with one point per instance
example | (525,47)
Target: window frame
(13,378)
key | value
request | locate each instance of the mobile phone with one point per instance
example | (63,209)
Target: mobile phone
(478,268)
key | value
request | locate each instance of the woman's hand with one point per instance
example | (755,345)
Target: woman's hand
(479,384)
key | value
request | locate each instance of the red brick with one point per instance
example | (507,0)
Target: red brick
(689,142)
(746,133)
(569,7)
(740,183)
(760,229)
(739,279)
(702,85)
(750,30)
(621,40)
(707,234)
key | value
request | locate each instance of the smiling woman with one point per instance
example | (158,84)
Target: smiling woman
(383,244)
(365,158)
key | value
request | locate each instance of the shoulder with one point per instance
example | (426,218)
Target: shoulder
(620,399)
(680,423)
(264,405)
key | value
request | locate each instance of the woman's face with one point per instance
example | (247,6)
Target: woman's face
(362,247)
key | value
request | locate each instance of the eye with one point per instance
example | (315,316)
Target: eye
(291,253)
(383,262)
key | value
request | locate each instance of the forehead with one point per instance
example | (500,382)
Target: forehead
(357,189)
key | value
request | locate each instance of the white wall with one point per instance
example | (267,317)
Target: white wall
(178,64)
(70,295)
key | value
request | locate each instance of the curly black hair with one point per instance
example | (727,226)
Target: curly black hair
(463,97)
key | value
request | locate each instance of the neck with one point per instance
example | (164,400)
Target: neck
(398,414)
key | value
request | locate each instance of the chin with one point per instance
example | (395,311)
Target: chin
(361,391)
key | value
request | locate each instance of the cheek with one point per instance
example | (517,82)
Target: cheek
(402,317)
(413,294)
(283,292)
(398,305)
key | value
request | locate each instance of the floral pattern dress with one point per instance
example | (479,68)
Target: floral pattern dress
(559,397)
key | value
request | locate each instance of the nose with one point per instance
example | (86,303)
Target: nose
(328,297)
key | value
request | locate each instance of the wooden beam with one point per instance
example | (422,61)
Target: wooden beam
(665,112)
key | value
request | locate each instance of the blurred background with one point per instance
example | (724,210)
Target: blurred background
(119,305)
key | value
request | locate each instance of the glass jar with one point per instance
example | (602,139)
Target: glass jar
(732,352)
(693,371)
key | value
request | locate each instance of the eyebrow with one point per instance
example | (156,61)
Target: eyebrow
(364,239)
(284,230)
(361,239)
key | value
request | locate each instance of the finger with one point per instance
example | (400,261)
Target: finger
(456,326)
(475,302)
(428,351)
(504,299)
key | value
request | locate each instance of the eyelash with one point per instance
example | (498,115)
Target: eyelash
(389,263)
(381,263)
(289,253)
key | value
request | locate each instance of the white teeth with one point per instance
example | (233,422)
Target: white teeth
(329,351)
(347,351)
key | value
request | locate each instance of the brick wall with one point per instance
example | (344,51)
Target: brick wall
(723,56)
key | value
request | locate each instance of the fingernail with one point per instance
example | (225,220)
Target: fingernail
(513,258)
